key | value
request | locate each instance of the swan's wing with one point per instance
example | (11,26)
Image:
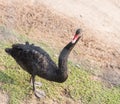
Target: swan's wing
(32,58)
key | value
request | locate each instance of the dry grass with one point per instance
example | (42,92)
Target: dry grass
(27,17)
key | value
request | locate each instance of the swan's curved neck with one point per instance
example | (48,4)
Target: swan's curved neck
(63,57)
(62,63)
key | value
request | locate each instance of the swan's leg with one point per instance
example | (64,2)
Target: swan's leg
(32,81)
(37,84)
(38,93)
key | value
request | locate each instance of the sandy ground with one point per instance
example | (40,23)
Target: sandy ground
(3,98)
(100,16)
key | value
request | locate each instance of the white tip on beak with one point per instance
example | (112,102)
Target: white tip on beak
(75,38)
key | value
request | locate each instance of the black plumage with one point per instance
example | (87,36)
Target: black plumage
(36,61)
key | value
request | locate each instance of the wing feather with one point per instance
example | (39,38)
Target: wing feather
(30,57)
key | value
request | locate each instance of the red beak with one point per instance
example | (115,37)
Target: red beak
(75,38)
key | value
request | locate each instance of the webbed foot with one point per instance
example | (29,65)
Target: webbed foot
(38,84)
(39,94)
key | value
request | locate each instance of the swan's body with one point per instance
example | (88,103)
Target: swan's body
(36,61)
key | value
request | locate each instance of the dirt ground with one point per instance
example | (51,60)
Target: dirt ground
(3,98)
(102,17)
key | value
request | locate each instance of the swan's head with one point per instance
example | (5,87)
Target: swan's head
(77,35)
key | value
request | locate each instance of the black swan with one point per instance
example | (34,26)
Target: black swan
(36,61)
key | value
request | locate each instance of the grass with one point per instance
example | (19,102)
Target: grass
(79,85)
(17,89)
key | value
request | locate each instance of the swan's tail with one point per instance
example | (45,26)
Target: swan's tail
(8,50)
